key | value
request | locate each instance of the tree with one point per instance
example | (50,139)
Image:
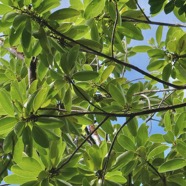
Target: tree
(63,84)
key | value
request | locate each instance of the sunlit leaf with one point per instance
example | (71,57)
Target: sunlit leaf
(94,8)
(6,102)
(172,165)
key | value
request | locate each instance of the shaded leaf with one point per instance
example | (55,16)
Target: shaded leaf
(40,136)
(85,75)
(64,13)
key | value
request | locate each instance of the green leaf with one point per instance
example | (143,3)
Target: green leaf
(169,7)
(172,165)
(46,6)
(26,35)
(131,31)
(68,99)
(126,143)
(167,121)
(5,9)
(159,33)
(16,92)
(115,176)
(76,4)
(6,102)
(83,120)
(64,13)
(16,179)
(167,72)
(122,160)
(169,137)
(180,123)
(133,89)
(142,136)
(156,6)
(94,8)
(106,73)
(18,129)
(40,136)
(40,98)
(18,151)
(6,124)
(155,65)
(91,44)
(132,126)
(156,151)
(181,46)
(72,57)
(142,48)
(181,148)
(85,75)
(117,94)
(50,123)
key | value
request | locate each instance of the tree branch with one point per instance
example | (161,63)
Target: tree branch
(114,29)
(45,23)
(130,19)
(118,114)
(142,11)
(84,141)
(85,96)
(156,171)
(111,147)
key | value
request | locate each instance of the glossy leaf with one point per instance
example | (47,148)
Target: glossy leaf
(64,13)
(40,98)
(156,151)
(131,31)
(85,75)
(40,137)
(126,143)
(5,9)
(122,160)
(94,8)
(6,124)
(172,165)
(5,101)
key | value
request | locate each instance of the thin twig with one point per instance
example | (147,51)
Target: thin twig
(130,19)
(111,147)
(142,11)
(154,91)
(114,29)
(156,171)
(84,141)
(85,97)
(45,23)
(119,114)
(150,117)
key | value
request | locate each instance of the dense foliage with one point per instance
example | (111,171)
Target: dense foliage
(66,84)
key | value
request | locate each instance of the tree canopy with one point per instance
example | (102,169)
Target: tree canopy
(71,112)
